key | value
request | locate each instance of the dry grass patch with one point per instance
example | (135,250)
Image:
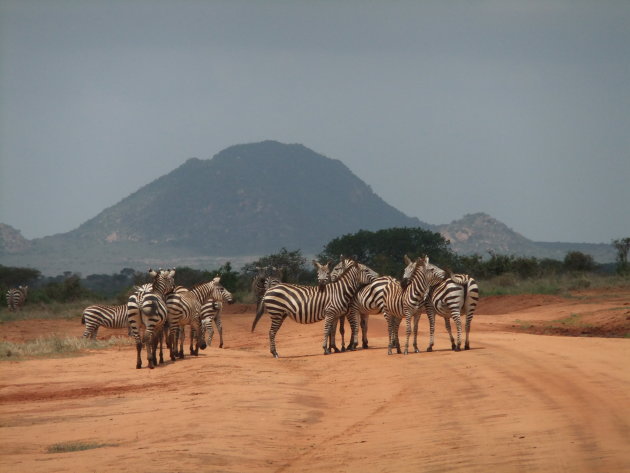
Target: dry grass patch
(55,346)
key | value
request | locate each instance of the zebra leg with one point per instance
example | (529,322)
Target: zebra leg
(416,318)
(408,331)
(396,340)
(211,330)
(161,342)
(364,329)
(193,350)
(390,329)
(330,323)
(276,323)
(447,322)
(139,353)
(172,344)
(431,316)
(332,345)
(181,333)
(217,321)
(458,325)
(468,322)
(342,332)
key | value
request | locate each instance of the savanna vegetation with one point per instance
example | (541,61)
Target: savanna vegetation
(67,294)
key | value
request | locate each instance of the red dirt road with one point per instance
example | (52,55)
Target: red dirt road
(516,402)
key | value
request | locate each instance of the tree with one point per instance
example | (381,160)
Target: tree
(383,250)
(622,246)
(290,263)
(578,261)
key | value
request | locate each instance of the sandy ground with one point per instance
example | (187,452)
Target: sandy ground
(516,402)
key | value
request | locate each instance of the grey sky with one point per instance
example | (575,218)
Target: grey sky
(520,109)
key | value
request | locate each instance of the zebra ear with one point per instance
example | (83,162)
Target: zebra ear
(152,273)
(216,280)
(407,260)
(315,263)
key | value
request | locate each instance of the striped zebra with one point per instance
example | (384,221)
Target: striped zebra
(146,308)
(110,316)
(450,296)
(183,309)
(310,304)
(211,312)
(368,301)
(16,298)
(405,300)
(357,309)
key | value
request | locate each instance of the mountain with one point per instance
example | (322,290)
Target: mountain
(248,199)
(11,240)
(480,233)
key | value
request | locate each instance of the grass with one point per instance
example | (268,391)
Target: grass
(56,346)
(53,310)
(78,446)
(511,284)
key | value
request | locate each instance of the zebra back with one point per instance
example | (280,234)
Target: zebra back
(111,316)
(309,304)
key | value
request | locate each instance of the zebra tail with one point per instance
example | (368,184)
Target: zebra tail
(259,313)
(83,319)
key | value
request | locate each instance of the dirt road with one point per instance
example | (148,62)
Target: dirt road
(516,402)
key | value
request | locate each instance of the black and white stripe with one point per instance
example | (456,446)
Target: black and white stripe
(183,309)
(357,316)
(146,309)
(310,304)
(211,312)
(16,297)
(110,316)
(451,296)
(405,300)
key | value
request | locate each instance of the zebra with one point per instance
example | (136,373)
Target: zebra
(16,298)
(111,316)
(356,308)
(450,296)
(406,299)
(368,301)
(183,309)
(310,304)
(146,308)
(211,311)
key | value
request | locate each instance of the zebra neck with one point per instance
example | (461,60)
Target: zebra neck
(203,291)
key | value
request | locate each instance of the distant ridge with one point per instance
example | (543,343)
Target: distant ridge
(247,201)
(480,233)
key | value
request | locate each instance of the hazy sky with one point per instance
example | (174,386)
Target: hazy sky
(520,109)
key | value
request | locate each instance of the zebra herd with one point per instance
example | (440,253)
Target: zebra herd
(353,291)
(158,312)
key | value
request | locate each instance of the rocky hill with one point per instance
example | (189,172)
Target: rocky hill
(245,202)
(480,233)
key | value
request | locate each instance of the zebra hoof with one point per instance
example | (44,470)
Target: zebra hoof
(466,347)
(430,349)
(416,350)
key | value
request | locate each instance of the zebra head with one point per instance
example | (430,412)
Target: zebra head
(366,276)
(411,266)
(163,280)
(323,273)
(219,293)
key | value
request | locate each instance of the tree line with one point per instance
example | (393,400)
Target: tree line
(382,250)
